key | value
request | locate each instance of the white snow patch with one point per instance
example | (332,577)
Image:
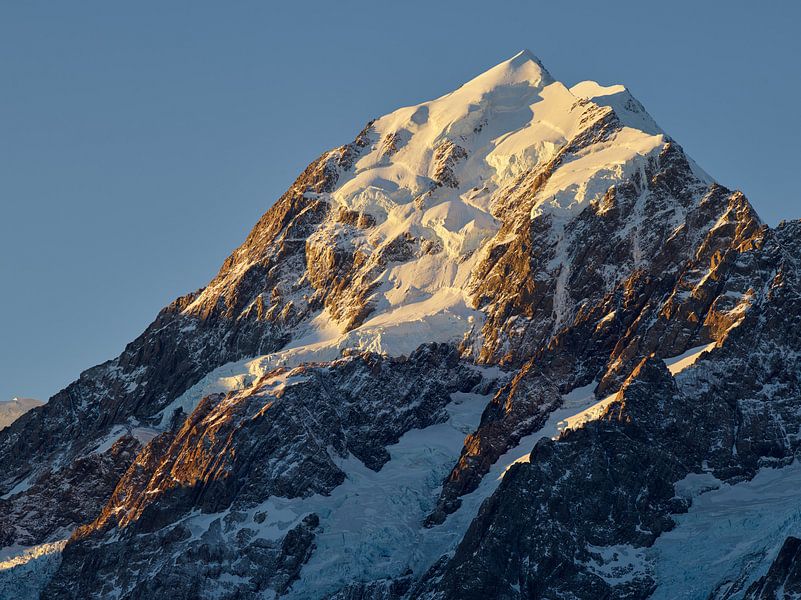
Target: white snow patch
(605,319)
(143,434)
(227,378)
(576,402)
(696,484)
(628,110)
(589,175)
(371,525)
(441,316)
(24,571)
(678,363)
(593,412)
(110,439)
(22,486)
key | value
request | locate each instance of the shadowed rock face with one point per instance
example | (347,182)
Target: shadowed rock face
(573,261)
(687,296)
(243,312)
(610,484)
(783,580)
(281,437)
(81,487)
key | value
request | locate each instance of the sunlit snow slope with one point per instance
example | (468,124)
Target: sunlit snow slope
(442,171)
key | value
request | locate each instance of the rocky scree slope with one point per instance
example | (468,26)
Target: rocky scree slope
(518,241)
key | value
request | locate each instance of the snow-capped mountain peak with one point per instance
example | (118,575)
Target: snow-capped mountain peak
(519,262)
(14,408)
(627,107)
(418,201)
(425,199)
(523,67)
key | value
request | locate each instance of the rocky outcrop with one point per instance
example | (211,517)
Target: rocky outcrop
(446,155)
(65,494)
(608,487)
(783,579)
(282,437)
(518,408)
(691,289)
(249,309)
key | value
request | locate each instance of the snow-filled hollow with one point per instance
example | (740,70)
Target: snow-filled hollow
(729,530)
(679,363)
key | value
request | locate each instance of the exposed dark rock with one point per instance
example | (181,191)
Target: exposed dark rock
(242,312)
(783,579)
(610,483)
(279,438)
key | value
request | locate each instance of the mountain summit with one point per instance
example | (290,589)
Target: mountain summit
(508,343)
(431,183)
(523,67)
(11,410)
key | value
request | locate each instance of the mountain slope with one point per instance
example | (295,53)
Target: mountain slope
(349,407)
(12,410)
(606,490)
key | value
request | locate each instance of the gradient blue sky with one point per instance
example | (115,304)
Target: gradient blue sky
(140,141)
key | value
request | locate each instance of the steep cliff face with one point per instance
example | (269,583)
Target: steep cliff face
(348,409)
(577,517)
(783,580)
(286,436)
(224,322)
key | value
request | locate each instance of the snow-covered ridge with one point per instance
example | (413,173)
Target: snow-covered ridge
(439,172)
(442,170)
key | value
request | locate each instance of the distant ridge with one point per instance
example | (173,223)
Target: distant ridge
(11,410)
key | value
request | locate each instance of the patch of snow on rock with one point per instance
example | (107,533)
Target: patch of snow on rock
(24,571)
(687,359)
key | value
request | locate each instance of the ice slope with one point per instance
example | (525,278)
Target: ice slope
(578,402)
(729,531)
(371,526)
(678,363)
(441,318)
(25,571)
(368,519)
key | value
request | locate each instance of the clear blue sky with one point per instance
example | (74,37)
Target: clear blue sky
(140,141)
